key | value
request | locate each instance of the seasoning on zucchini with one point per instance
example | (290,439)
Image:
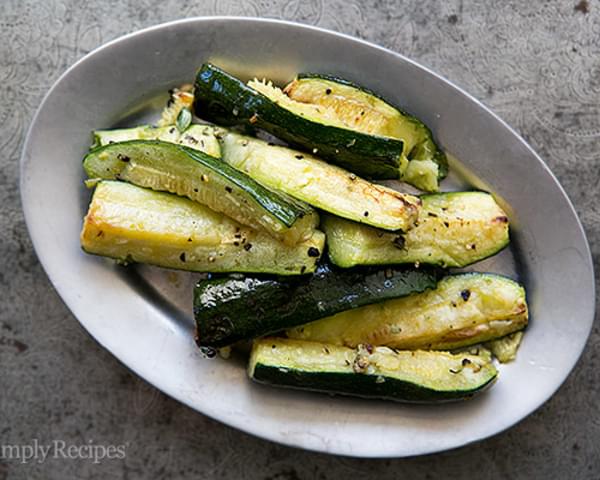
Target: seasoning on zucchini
(370,372)
(463,310)
(204,179)
(198,137)
(320,184)
(453,230)
(134,224)
(225,100)
(238,308)
(364,111)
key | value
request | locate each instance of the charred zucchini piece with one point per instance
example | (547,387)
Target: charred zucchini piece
(464,309)
(181,170)
(243,307)
(364,111)
(134,224)
(320,184)
(453,230)
(225,100)
(370,372)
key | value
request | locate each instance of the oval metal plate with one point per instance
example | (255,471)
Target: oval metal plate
(143,315)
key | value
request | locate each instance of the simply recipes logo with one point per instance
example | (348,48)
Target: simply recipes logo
(59,449)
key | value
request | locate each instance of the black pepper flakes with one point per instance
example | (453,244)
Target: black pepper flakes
(313,252)
(399,242)
(123,158)
(328,91)
(182,257)
(446,224)
(366,214)
(302,270)
(465,362)
(228,189)
(247,247)
(299,157)
(431,214)
(237,244)
(465,294)
(195,190)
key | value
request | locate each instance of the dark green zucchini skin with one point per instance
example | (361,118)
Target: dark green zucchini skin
(243,307)
(439,156)
(225,100)
(365,386)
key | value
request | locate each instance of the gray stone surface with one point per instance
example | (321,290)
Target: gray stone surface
(537,64)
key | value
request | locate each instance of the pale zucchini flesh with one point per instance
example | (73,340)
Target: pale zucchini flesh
(464,309)
(453,230)
(180,170)
(133,224)
(371,372)
(198,137)
(505,348)
(320,184)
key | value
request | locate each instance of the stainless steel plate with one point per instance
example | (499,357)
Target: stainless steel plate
(143,315)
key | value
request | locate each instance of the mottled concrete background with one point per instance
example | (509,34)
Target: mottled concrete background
(537,64)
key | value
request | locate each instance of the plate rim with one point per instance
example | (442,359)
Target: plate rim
(230,420)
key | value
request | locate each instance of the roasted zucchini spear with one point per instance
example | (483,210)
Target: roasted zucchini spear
(134,224)
(197,137)
(453,229)
(464,309)
(370,372)
(320,184)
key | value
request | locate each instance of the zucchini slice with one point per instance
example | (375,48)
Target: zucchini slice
(198,137)
(463,310)
(364,111)
(204,179)
(320,184)
(371,372)
(225,100)
(453,230)
(231,309)
(134,224)
(179,99)
(505,348)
